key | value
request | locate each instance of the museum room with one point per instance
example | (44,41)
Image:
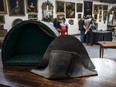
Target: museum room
(57,43)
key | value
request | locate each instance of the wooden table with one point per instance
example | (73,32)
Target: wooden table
(105,44)
(22,77)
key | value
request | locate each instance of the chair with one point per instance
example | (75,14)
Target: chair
(26,43)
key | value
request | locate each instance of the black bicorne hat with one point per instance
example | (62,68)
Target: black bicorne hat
(66,57)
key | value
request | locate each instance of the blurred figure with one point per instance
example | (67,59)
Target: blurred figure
(56,24)
(51,21)
(88,32)
(82,29)
(65,23)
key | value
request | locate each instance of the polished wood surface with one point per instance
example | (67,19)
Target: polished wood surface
(105,44)
(22,77)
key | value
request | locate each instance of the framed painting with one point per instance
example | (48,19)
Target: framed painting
(100,17)
(47,11)
(60,6)
(100,7)
(32,16)
(105,7)
(70,10)
(79,16)
(2,20)
(95,16)
(114,22)
(32,6)
(1,26)
(96,8)
(71,22)
(105,13)
(79,7)
(60,17)
(100,12)
(3,7)
(88,8)
(16,7)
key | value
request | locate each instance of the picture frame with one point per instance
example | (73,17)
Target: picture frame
(1,26)
(60,6)
(70,10)
(105,7)
(79,7)
(105,13)
(32,6)
(100,7)
(88,5)
(2,19)
(47,11)
(32,16)
(16,7)
(60,17)
(96,9)
(95,16)
(100,17)
(71,22)
(3,9)
(100,12)
(79,16)
(114,22)
(16,21)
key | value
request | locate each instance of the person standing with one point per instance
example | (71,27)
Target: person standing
(56,24)
(65,23)
(88,32)
(82,29)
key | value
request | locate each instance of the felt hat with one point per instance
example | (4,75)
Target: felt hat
(66,57)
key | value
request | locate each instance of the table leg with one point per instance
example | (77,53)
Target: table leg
(100,52)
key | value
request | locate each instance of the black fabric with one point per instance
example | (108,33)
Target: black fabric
(102,36)
(81,23)
(57,69)
(66,57)
(56,23)
(66,43)
(26,43)
(2,85)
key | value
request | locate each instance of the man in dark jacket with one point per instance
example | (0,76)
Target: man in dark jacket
(82,30)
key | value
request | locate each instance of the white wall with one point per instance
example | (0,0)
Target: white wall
(73,29)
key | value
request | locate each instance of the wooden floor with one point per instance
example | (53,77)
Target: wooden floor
(22,77)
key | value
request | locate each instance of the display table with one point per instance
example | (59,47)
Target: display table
(22,77)
(101,36)
(105,44)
